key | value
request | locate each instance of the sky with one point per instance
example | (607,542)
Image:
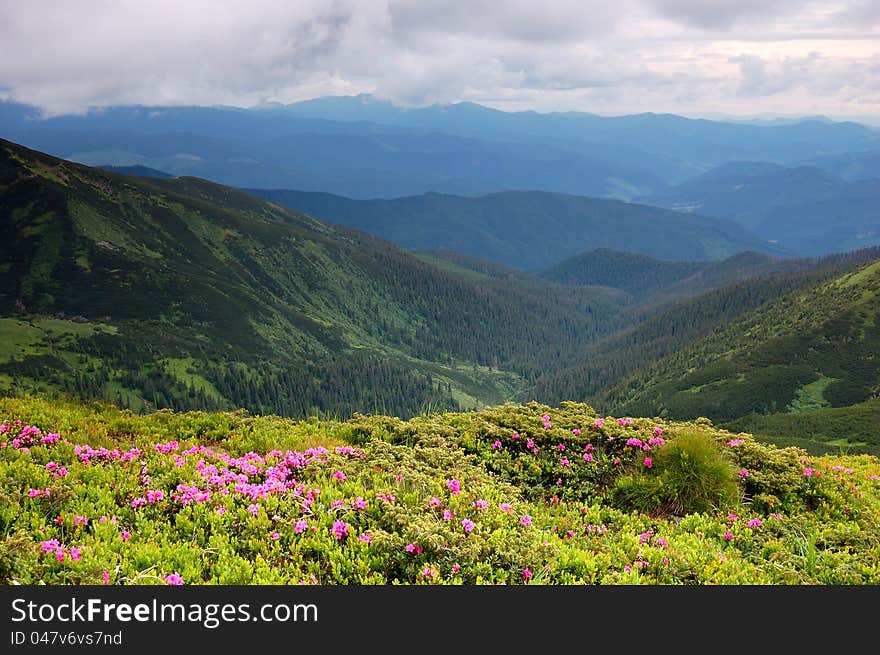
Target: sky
(690,57)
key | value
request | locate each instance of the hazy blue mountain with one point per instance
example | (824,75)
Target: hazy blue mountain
(852,166)
(333,145)
(527,230)
(363,163)
(805,209)
(703,142)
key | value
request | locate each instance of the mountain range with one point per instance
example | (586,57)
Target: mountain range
(179,292)
(529,230)
(804,209)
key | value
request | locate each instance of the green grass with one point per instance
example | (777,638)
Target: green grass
(18,338)
(183,370)
(811,396)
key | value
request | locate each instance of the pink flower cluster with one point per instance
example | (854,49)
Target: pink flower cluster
(340,530)
(54,546)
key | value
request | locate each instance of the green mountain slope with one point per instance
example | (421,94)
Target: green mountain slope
(184,293)
(815,347)
(528,230)
(643,276)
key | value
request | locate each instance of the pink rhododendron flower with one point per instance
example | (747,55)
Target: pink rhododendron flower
(728,536)
(496,444)
(254,509)
(467,524)
(505,507)
(526,575)
(635,443)
(173,579)
(448,515)
(743,474)
(598,423)
(340,530)
(125,535)
(755,523)
(810,472)
(560,446)
(545,417)
(49,546)
(481,504)
(623,422)
(576,432)
(414,549)
(588,457)
(274,536)
(657,432)
(433,501)
(648,462)
(339,476)
(564,462)
(75,553)
(454,486)
(105,578)
(525,520)
(735,442)
(456,568)
(429,572)
(300,526)
(365,538)
(360,503)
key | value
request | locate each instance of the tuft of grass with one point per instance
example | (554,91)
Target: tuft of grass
(690,474)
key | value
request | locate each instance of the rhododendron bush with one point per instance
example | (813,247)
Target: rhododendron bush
(508,495)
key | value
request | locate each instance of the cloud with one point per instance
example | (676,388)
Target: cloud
(594,55)
(724,14)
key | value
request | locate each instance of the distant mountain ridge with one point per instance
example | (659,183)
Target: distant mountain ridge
(364,148)
(805,209)
(526,230)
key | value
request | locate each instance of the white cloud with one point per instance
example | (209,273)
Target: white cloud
(743,57)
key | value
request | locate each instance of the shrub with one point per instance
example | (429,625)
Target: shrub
(689,474)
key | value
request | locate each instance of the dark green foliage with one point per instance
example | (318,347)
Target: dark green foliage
(852,429)
(764,363)
(608,361)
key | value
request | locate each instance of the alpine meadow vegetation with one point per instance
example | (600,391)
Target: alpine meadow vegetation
(512,494)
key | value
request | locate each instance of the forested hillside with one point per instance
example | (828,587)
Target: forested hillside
(528,230)
(812,348)
(183,293)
